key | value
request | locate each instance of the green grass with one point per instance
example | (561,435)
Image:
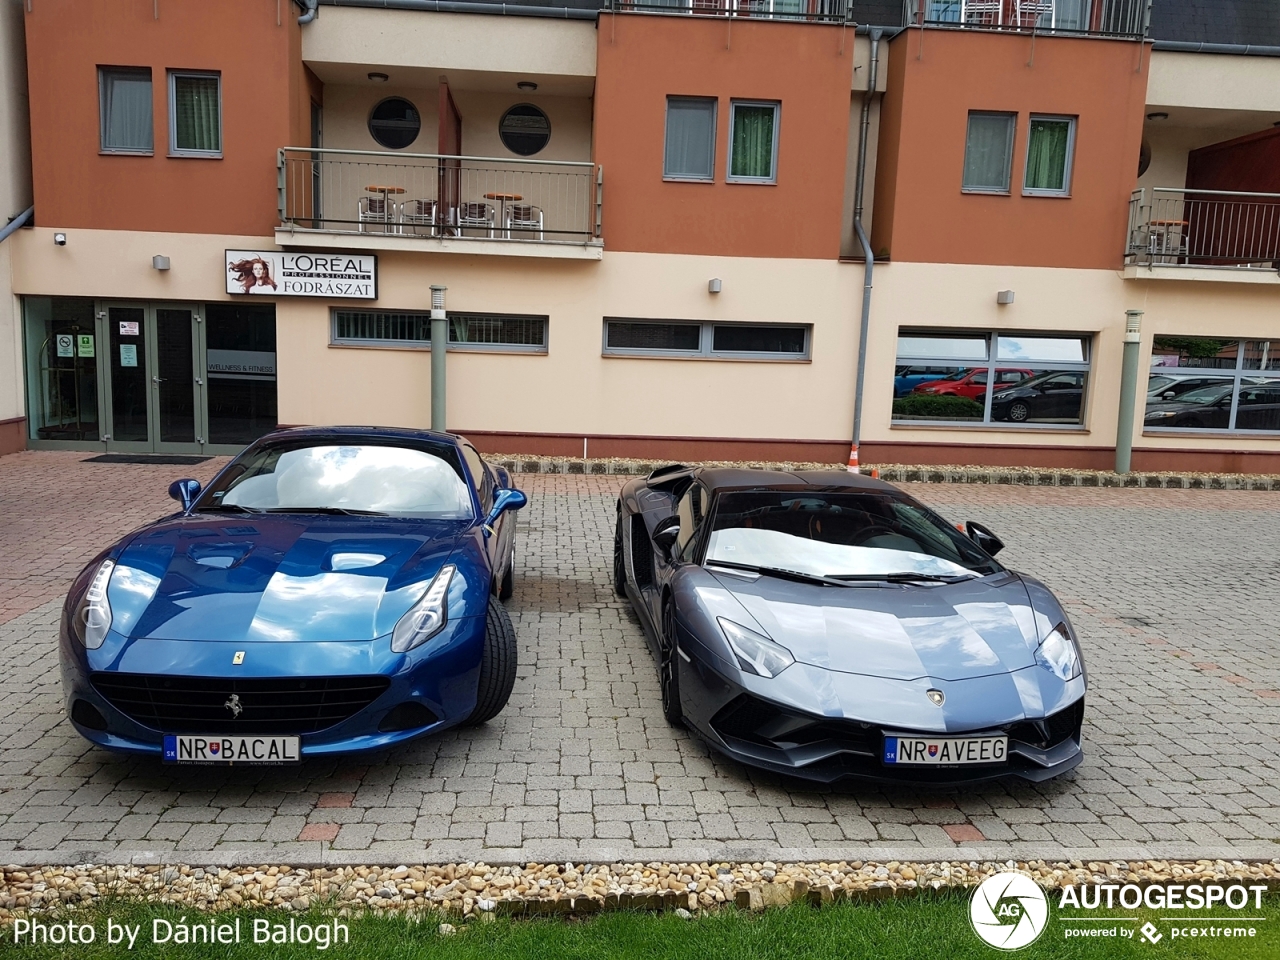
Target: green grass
(931,926)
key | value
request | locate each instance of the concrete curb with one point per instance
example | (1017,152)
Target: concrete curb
(900,473)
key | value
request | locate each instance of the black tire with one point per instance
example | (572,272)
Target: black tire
(508,585)
(1019,412)
(497,666)
(668,669)
(619,562)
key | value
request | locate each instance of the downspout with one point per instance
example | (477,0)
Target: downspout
(19,221)
(311,12)
(870,263)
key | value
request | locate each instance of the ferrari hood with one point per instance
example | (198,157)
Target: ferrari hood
(959,631)
(275,578)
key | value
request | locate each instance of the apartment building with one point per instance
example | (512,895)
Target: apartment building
(15,207)
(641,222)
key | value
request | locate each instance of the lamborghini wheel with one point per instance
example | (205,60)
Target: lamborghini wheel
(619,562)
(668,669)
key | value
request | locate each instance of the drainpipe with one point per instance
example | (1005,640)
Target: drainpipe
(311,12)
(1128,389)
(16,222)
(869,269)
(439,343)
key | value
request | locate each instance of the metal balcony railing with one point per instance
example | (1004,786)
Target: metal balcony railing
(816,11)
(1172,226)
(1127,19)
(429,195)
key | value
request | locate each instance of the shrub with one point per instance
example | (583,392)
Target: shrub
(944,407)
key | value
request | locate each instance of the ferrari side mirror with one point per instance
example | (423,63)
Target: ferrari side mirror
(185,492)
(506,499)
(666,533)
(984,538)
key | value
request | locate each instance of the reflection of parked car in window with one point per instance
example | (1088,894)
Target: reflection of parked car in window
(972,383)
(907,378)
(1167,386)
(1047,396)
(1209,408)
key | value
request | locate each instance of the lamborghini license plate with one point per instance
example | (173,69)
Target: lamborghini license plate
(945,750)
(219,749)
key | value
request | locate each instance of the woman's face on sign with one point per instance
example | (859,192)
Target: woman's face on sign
(259,269)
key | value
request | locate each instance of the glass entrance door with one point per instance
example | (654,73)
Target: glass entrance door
(155,377)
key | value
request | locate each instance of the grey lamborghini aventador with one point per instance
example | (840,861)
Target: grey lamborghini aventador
(827,625)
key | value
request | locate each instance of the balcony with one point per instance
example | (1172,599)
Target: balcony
(1121,19)
(371,200)
(1183,231)
(812,11)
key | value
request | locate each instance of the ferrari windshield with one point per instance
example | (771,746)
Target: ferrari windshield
(344,478)
(846,534)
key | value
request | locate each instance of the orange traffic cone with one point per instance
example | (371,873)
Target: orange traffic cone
(853,458)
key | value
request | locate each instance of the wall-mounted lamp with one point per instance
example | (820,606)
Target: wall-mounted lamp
(60,239)
(1004,296)
(527,85)
(159,262)
(379,77)
(713,285)
(1159,115)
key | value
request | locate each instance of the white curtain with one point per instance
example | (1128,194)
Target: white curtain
(690,138)
(126,106)
(988,151)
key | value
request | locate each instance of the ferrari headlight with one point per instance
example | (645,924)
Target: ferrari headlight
(425,618)
(1057,654)
(93,613)
(756,654)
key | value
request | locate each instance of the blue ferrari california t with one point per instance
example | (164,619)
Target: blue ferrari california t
(332,590)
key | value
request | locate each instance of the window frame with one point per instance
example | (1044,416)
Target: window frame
(776,106)
(706,341)
(174,149)
(1007,189)
(1237,374)
(993,363)
(666,135)
(451,346)
(103,72)
(1068,166)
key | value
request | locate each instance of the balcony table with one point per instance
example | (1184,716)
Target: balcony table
(503,199)
(1166,239)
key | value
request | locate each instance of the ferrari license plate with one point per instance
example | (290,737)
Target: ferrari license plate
(217,749)
(945,750)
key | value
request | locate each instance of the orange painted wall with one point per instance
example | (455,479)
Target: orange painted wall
(921,214)
(264,88)
(809,68)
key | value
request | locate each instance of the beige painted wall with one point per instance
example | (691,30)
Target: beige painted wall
(573,389)
(1213,81)
(345,115)
(15,193)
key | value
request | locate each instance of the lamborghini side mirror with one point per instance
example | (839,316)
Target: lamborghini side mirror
(984,538)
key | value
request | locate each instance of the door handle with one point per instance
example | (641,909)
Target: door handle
(199,382)
(157,379)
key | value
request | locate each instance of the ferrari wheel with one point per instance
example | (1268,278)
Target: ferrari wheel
(497,665)
(668,674)
(508,585)
(619,564)
(1019,411)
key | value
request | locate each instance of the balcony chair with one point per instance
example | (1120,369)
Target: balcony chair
(525,220)
(474,216)
(984,13)
(376,210)
(415,214)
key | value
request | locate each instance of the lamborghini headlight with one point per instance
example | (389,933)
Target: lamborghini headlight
(93,613)
(756,654)
(1057,653)
(425,618)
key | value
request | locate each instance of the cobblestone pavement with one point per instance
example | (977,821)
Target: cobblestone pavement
(1174,593)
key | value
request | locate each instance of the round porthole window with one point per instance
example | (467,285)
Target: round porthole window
(524,129)
(395,123)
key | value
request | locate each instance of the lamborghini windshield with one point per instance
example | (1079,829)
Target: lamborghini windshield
(841,535)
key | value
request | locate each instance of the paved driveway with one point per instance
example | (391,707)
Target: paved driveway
(1174,592)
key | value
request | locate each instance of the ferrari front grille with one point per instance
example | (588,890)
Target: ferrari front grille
(261,705)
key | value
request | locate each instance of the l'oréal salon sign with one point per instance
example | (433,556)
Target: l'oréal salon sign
(273,273)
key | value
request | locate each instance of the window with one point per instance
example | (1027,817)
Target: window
(394,123)
(195,114)
(943,376)
(988,152)
(501,332)
(524,129)
(753,146)
(1204,383)
(124,110)
(691,139)
(1050,143)
(706,339)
